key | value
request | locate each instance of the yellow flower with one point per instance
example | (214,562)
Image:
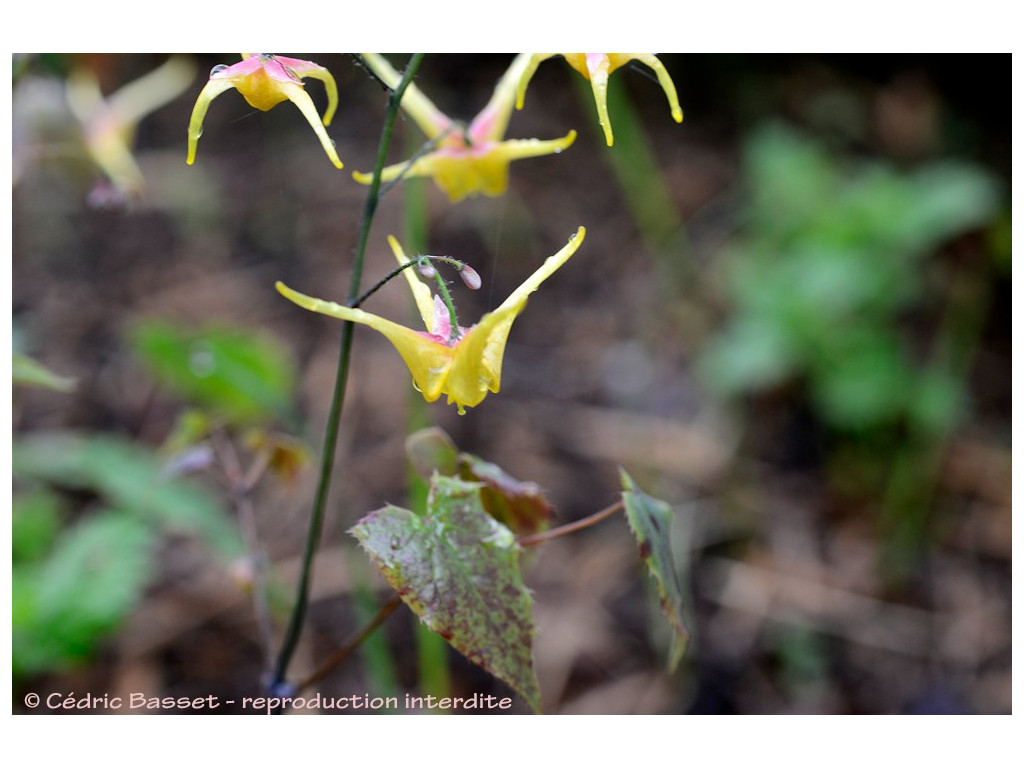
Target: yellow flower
(466,160)
(464,365)
(265,81)
(596,67)
(109,124)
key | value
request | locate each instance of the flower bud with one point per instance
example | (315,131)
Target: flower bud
(426,269)
(470,277)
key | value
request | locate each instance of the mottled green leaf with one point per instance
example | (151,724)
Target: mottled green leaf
(518,504)
(130,477)
(457,568)
(650,519)
(242,376)
(431,450)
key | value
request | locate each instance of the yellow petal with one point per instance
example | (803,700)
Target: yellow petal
(476,368)
(478,355)
(459,174)
(431,120)
(298,96)
(462,172)
(470,369)
(211,90)
(388,174)
(527,74)
(491,123)
(599,84)
(666,82)
(153,90)
(324,75)
(427,360)
(517,299)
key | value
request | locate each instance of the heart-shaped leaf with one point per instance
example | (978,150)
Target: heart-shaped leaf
(457,568)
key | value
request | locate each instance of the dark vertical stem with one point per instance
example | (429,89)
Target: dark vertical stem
(298,616)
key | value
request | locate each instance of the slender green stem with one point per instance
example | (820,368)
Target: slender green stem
(294,630)
(442,288)
(417,262)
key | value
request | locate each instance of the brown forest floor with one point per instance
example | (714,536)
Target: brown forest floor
(789,613)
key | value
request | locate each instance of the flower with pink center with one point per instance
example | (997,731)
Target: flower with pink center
(465,160)
(265,80)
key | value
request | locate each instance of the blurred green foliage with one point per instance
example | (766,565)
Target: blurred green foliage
(831,254)
(30,373)
(74,581)
(241,376)
(90,510)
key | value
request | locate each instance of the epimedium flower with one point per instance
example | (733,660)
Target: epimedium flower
(109,123)
(596,67)
(463,363)
(265,80)
(465,160)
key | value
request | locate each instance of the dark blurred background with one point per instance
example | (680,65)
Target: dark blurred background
(790,319)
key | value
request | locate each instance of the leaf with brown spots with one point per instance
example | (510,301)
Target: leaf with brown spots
(457,568)
(649,519)
(516,503)
(519,505)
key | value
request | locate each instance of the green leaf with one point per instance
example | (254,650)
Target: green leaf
(35,523)
(457,568)
(862,379)
(243,377)
(790,176)
(517,504)
(431,450)
(131,478)
(514,503)
(650,519)
(64,606)
(953,198)
(29,373)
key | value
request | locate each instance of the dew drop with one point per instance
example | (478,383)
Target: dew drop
(218,68)
(201,362)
